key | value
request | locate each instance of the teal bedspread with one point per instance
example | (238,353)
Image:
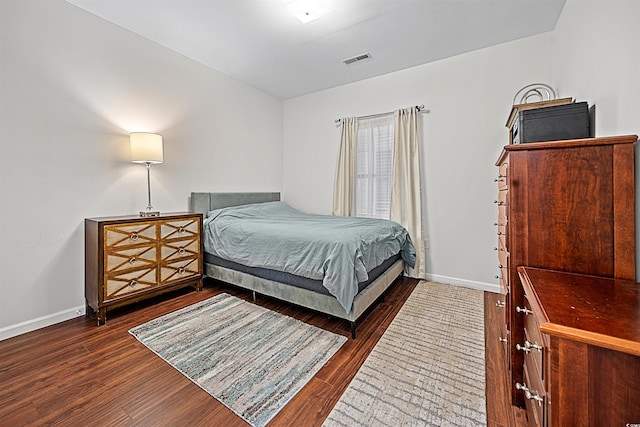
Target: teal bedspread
(337,250)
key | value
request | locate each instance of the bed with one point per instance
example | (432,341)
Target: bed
(316,287)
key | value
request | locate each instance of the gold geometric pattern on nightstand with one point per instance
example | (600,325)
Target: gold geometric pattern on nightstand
(124,235)
(132,281)
(180,269)
(130,258)
(180,249)
(176,229)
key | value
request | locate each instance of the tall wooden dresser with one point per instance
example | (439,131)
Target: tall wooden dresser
(130,258)
(566,206)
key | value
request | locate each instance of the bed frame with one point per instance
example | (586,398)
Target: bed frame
(327,304)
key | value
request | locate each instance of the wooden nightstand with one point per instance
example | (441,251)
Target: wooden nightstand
(131,258)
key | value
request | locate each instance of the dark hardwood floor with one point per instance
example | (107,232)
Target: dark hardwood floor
(76,373)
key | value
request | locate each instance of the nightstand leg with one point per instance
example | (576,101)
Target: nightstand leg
(101,314)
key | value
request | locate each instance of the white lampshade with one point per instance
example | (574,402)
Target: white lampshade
(146,147)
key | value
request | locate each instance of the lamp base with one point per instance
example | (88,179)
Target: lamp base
(149,213)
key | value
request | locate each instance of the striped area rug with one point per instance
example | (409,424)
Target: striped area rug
(251,359)
(428,367)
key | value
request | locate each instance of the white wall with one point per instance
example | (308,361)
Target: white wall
(596,58)
(469,98)
(73,87)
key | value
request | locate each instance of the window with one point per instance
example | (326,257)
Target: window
(374,167)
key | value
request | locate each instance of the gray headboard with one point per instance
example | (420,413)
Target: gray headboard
(205,202)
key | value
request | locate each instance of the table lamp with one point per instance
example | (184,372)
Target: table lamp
(146,148)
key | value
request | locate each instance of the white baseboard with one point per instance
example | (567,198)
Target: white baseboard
(61,316)
(40,322)
(482,286)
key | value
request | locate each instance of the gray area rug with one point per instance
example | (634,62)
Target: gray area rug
(428,367)
(251,359)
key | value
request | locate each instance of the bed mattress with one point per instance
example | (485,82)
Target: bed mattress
(294,280)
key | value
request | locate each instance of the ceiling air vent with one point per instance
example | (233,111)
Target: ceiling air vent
(357,58)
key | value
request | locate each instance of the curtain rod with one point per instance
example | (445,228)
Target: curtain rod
(420,108)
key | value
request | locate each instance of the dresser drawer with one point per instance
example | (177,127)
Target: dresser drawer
(129,282)
(502,243)
(502,197)
(119,235)
(180,229)
(503,210)
(179,249)
(534,397)
(502,221)
(536,345)
(503,258)
(127,258)
(180,269)
(503,176)
(503,337)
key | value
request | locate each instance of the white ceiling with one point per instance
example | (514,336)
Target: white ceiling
(260,43)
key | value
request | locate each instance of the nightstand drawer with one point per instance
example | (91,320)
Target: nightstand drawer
(132,281)
(180,229)
(180,269)
(130,258)
(119,235)
(179,249)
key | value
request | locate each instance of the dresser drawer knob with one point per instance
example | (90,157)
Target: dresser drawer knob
(133,237)
(133,261)
(181,270)
(133,283)
(529,394)
(181,251)
(535,346)
(500,304)
(503,340)
(526,311)
(528,346)
(181,230)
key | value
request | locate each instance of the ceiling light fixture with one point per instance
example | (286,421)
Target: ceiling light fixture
(306,10)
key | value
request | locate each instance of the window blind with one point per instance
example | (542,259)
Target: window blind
(374,167)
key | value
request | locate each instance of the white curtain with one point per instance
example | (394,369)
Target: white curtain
(344,187)
(406,203)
